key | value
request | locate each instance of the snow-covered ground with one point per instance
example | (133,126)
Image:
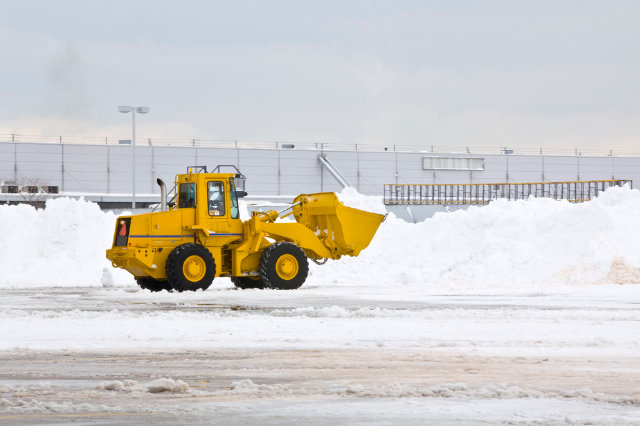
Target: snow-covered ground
(518,312)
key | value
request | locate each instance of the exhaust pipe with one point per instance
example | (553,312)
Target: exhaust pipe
(163,195)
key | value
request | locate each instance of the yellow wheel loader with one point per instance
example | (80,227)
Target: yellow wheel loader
(186,244)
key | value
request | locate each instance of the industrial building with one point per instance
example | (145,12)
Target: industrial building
(103,172)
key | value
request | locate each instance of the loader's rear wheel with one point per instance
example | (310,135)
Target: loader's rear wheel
(190,267)
(283,266)
(151,284)
(248,282)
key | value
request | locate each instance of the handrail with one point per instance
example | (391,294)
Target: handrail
(483,193)
(319,146)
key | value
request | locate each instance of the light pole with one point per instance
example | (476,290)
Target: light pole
(140,110)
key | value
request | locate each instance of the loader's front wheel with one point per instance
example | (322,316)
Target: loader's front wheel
(151,284)
(283,266)
(190,267)
(247,282)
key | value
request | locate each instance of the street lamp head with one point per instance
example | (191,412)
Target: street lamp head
(142,110)
(125,108)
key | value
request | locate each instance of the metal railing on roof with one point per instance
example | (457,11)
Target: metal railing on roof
(483,193)
(319,146)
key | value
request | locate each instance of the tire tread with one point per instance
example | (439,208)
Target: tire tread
(269,275)
(174,268)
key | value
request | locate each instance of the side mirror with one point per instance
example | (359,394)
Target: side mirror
(240,194)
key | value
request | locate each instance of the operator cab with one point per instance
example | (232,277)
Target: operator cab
(212,188)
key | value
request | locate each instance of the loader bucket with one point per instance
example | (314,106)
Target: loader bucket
(344,230)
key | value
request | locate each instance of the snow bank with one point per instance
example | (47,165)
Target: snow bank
(350,197)
(507,243)
(62,245)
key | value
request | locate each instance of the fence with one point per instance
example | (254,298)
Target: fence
(483,193)
(425,148)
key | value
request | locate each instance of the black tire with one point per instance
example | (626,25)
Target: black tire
(190,267)
(248,282)
(283,266)
(151,284)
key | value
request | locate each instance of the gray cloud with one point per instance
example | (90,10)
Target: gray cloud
(457,73)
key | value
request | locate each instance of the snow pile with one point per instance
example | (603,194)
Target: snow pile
(507,243)
(40,398)
(350,197)
(157,386)
(167,385)
(117,385)
(62,245)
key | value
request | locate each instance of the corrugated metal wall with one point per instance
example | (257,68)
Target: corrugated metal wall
(108,168)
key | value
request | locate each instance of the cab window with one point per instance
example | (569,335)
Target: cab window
(187,195)
(235,211)
(215,195)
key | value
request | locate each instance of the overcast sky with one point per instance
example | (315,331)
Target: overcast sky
(447,73)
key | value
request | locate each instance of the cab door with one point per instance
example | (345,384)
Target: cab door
(187,207)
(223,215)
